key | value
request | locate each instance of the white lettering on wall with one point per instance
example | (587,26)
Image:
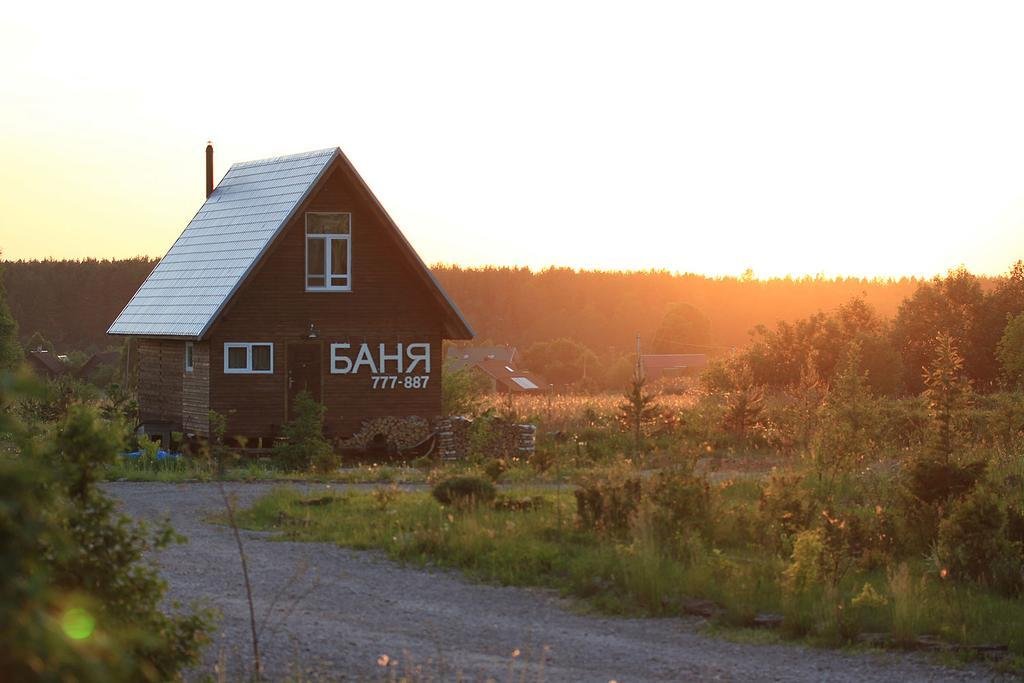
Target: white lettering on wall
(364,357)
(415,358)
(405,359)
(385,357)
(341,364)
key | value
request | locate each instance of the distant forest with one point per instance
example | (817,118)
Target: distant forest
(605,311)
(71,303)
(578,328)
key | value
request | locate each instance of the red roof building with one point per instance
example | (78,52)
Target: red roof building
(659,365)
(505,379)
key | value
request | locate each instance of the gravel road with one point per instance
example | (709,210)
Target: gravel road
(337,611)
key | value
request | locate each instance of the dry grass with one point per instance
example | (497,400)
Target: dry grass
(573,412)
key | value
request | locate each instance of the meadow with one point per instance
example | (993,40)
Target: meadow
(809,484)
(832,514)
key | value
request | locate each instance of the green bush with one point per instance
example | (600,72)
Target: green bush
(305,447)
(79,601)
(608,502)
(936,482)
(462,391)
(464,492)
(929,488)
(973,543)
(53,399)
(785,509)
(682,505)
(495,468)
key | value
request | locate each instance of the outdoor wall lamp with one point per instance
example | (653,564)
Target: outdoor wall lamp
(313,332)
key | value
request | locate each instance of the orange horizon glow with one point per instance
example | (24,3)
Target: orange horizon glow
(705,139)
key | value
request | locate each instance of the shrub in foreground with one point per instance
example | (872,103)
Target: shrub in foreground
(973,543)
(79,602)
(464,492)
(608,502)
(305,447)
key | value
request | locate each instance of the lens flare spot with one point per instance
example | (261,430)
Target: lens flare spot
(77,623)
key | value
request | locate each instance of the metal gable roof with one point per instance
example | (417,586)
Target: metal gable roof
(222,243)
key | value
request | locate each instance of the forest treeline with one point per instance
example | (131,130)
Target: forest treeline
(577,325)
(71,303)
(605,310)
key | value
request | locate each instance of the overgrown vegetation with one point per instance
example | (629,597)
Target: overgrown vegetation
(846,473)
(902,516)
(79,602)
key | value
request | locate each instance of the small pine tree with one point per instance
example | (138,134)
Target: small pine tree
(846,420)
(947,392)
(639,408)
(807,396)
(744,406)
(1010,352)
(305,446)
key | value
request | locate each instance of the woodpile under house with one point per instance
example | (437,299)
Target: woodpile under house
(291,277)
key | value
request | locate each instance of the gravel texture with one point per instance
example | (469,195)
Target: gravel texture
(335,612)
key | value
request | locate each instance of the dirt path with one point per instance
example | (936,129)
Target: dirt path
(337,611)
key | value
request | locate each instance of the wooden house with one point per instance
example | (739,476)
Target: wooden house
(497,366)
(291,277)
(46,363)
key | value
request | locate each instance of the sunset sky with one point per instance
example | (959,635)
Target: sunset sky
(790,138)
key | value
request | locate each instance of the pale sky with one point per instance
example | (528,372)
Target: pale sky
(854,138)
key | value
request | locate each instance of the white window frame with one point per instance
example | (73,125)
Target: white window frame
(190,357)
(247,370)
(327,239)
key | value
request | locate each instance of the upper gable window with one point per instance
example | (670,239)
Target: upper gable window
(329,252)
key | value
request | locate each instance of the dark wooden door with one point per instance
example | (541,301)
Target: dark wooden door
(303,372)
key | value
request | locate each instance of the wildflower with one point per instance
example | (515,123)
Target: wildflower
(515,652)
(944,573)
(383,660)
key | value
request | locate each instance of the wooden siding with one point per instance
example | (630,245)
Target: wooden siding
(196,392)
(388,304)
(161,363)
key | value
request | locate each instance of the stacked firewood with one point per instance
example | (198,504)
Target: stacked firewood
(495,438)
(394,432)
(459,427)
(458,437)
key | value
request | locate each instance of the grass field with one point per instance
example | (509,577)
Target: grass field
(635,574)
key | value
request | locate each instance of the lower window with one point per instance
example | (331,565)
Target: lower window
(249,358)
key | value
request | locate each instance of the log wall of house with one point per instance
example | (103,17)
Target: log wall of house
(161,363)
(196,392)
(388,303)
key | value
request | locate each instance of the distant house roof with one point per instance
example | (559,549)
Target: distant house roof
(233,230)
(459,358)
(507,378)
(98,360)
(45,363)
(658,365)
